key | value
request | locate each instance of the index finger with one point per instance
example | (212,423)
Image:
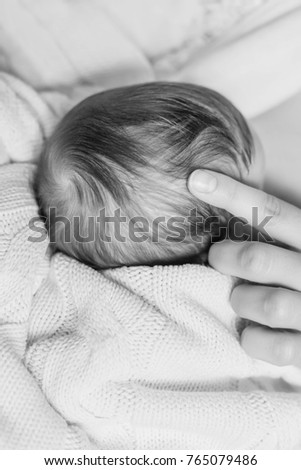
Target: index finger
(282,220)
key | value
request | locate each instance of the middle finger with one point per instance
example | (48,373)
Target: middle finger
(271,306)
(257,262)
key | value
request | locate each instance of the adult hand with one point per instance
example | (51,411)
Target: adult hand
(274,302)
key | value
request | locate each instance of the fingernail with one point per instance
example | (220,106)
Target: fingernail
(202,181)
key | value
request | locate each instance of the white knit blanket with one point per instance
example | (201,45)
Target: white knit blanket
(128,358)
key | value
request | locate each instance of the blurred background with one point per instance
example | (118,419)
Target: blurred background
(249,50)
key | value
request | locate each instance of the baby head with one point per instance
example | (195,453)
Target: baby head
(112,181)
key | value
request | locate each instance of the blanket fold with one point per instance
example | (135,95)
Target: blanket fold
(131,358)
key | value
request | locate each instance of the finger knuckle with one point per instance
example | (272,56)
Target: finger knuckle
(276,307)
(255,258)
(271,208)
(283,350)
(232,191)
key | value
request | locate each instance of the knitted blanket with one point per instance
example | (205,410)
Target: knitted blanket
(132,358)
(128,358)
